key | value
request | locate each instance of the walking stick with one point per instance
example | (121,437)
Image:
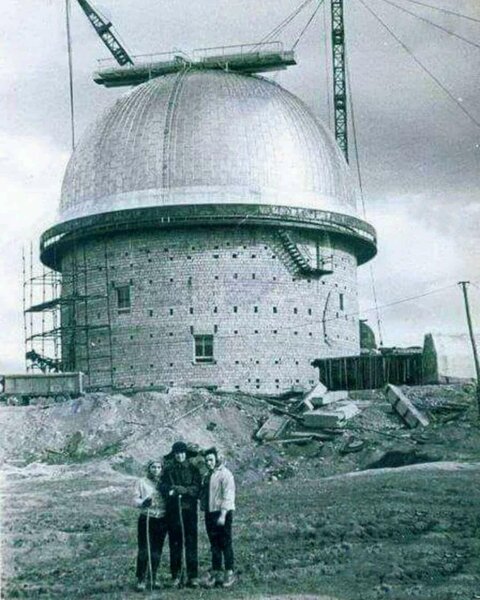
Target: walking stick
(149,553)
(184,548)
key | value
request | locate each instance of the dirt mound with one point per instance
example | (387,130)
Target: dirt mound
(126,431)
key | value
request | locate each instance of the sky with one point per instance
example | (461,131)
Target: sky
(419,153)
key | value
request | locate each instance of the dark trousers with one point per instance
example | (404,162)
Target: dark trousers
(175,537)
(157,532)
(220,540)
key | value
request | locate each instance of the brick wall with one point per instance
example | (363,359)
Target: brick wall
(268,322)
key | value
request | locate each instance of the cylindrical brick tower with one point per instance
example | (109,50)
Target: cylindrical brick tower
(207,233)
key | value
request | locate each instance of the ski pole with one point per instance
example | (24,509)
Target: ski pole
(149,553)
(184,549)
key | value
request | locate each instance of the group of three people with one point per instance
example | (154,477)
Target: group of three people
(168,499)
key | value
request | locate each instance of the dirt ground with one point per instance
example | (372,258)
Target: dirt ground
(398,519)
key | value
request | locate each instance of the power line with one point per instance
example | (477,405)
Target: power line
(444,29)
(422,66)
(308,24)
(444,10)
(183,339)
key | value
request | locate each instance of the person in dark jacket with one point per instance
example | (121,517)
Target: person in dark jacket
(180,485)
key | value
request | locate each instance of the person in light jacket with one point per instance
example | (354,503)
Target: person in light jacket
(152,525)
(218,502)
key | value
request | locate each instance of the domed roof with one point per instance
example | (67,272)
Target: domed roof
(201,137)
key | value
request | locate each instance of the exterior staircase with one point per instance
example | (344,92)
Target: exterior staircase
(298,261)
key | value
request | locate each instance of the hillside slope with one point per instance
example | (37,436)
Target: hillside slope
(68,526)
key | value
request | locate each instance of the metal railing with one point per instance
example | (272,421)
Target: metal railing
(202,54)
(145,59)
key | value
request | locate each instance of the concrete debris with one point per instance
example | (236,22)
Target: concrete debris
(403,407)
(321,396)
(273,427)
(318,392)
(306,404)
(333,417)
(331,397)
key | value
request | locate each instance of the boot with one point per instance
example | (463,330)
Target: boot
(212,579)
(229,580)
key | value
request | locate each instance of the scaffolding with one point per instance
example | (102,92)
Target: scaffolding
(59,322)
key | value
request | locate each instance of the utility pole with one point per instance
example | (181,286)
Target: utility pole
(464,285)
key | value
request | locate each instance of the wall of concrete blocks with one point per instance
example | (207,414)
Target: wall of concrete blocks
(268,322)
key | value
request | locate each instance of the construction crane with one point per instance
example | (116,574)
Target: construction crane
(339,80)
(104,32)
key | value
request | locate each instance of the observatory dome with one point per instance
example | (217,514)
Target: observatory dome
(206,137)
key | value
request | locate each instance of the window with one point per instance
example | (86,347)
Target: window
(123,299)
(203,348)
(341,301)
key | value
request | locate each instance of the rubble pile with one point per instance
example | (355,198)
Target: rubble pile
(338,432)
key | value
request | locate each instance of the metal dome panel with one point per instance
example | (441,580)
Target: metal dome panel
(203,137)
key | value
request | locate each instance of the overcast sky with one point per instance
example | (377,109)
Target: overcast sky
(419,152)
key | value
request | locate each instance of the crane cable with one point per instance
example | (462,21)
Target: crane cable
(422,66)
(276,30)
(312,16)
(436,25)
(70,72)
(362,196)
(444,10)
(327,66)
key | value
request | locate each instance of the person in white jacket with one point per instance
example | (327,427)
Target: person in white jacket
(152,525)
(218,502)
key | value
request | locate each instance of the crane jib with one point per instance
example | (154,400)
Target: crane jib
(103,30)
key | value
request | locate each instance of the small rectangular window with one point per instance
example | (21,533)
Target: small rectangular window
(123,299)
(341,300)
(203,348)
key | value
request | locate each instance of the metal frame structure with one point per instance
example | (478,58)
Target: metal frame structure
(339,79)
(53,339)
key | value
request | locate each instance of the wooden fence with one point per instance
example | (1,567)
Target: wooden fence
(368,372)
